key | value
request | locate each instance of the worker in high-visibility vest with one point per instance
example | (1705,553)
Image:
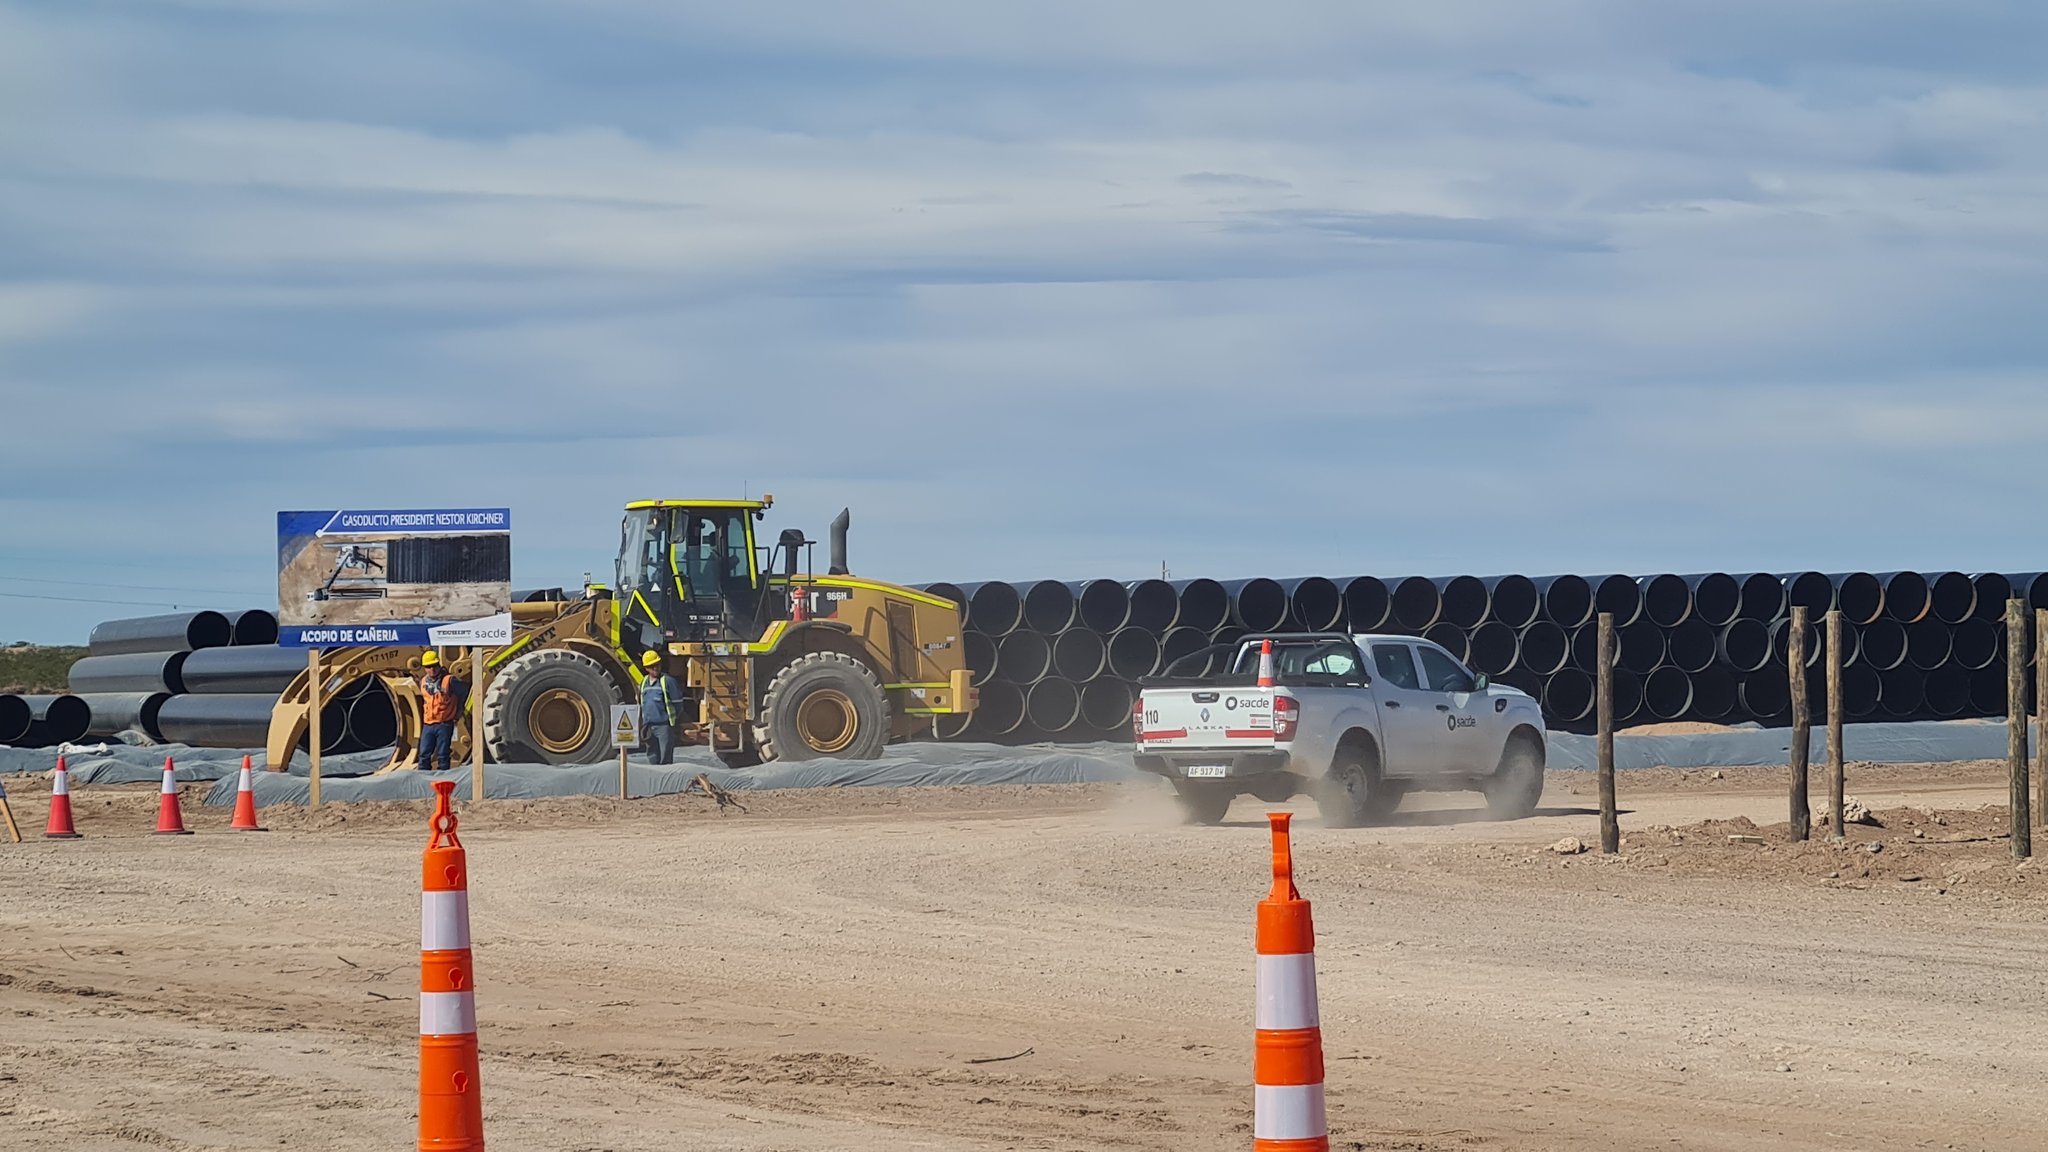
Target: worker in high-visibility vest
(660,711)
(440,703)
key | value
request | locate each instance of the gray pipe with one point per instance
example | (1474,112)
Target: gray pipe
(993,608)
(116,712)
(1568,696)
(1103,605)
(1257,604)
(1133,653)
(1951,597)
(1692,646)
(1667,693)
(1494,648)
(173,632)
(1367,604)
(1465,600)
(1155,606)
(252,626)
(1716,597)
(1204,604)
(1512,600)
(15,718)
(1567,600)
(130,672)
(1053,705)
(1543,648)
(1078,654)
(1048,606)
(241,721)
(230,671)
(1023,657)
(60,719)
(1315,604)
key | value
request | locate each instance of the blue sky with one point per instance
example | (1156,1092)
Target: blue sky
(1052,289)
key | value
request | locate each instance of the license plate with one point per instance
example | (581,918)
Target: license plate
(1205,771)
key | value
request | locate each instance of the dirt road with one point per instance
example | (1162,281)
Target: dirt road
(822,974)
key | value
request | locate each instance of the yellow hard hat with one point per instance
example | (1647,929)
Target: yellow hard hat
(431,658)
(650,658)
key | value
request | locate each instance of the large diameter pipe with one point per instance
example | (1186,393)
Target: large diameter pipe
(1494,648)
(1640,647)
(1106,708)
(252,626)
(15,718)
(1023,657)
(1902,691)
(1000,712)
(372,722)
(942,589)
(58,719)
(1049,606)
(1765,694)
(1908,597)
(1859,595)
(1716,597)
(1947,692)
(1951,596)
(1258,604)
(1567,600)
(1316,604)
(1103,605)
(1619,595)
(1568,696)
(1667,693)
(1450,638)
(1079,655)
(1928,645)
(1543,648)
(1987,690)
(1667,599)
(1815,591)
(1763,597)
(130,672)
(1692,646)
(1993,590)
(217,671)
(1881,646)
(1715,694)
(1367,604)
(1417,604)
(172,632)
(1586,648)
(116,712)
(1465,600)
(1155,606)
(1512,600)
(993,608)
(239,721)
(1745,644)
(1204,605)
(980,653)
(1053,705)
(1861,690)
(1133,652)
(2031,587)
(1977,644)
(1781,643)
(1178,645)
(1628,694)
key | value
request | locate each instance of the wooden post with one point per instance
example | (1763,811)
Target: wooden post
(2020,814)
(1801,816)
(1835,770)
(313,727)
(1610,824)
(622,773)
(13,829)
(2041,714)
(476,724)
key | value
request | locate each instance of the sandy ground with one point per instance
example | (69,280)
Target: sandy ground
(823,972)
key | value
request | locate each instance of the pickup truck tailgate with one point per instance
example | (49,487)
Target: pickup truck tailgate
(1191,718)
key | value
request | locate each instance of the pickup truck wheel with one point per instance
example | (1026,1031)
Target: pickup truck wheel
(1515,787)
(1204,804)
(1385,798)
(1348,796)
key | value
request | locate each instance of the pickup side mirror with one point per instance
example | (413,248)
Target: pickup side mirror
(1480,683)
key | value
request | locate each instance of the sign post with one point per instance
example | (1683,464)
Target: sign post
(395,578)
(625,736)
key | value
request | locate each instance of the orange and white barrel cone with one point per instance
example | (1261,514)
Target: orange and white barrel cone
(60,826)
(245,801)
(170,818)
(451,1098)
(1287,1064)
(1266,676)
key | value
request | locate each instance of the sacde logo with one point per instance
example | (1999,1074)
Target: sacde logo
(1453,723)
(1230,703)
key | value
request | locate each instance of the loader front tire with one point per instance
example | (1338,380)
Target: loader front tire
(549,707)
(823,704)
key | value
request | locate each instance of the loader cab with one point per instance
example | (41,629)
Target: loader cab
(688,571)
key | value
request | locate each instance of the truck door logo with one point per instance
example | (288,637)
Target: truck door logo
(1454,722)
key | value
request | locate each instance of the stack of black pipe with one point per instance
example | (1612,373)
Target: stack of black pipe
(1060,660)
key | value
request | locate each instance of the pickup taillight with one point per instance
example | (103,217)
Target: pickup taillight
(1138,719)
(1286,717)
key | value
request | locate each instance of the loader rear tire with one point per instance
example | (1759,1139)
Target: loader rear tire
(823,704)
(549,707)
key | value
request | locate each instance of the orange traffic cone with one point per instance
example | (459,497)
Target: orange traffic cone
(451,1097)
(245,801)
(1287,1062)
(60,827)
(170,819)
(1266,676)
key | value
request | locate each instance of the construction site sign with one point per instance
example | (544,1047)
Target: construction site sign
(625,726)
(394,576)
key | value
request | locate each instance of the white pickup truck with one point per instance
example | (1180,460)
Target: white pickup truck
(1354,721)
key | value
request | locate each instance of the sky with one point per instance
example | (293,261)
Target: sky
(1051,289)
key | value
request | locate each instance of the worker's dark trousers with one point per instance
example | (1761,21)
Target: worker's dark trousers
(660,740)
(436,742)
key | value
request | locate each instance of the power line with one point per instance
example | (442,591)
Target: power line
(123,587)
(88,600)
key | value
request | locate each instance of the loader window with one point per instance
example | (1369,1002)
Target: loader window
(712,555)
(639,552)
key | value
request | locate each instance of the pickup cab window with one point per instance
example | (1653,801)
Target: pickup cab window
(1331,661)
(1396,663)
(1444,673)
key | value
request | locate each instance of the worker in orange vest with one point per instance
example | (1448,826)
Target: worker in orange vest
(440,702)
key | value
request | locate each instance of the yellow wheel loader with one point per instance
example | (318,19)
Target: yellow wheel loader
(776,663)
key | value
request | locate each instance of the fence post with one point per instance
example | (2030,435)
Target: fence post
(2020,813)
(1801,817)
(1835,767)
(1610,825)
